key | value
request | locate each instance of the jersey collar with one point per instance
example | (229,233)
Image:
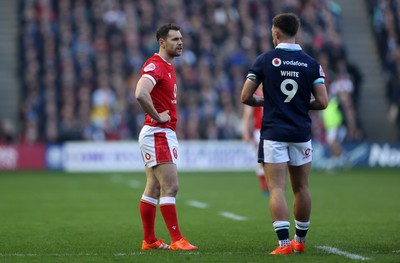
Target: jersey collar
(162,58)
(289,47)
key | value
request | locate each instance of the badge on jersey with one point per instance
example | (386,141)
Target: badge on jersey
(149,67)
(321,71)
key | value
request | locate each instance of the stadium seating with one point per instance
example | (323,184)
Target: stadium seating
(385,19)
(80,60)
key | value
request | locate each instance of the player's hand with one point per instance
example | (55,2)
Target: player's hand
(164,117)
(246,137)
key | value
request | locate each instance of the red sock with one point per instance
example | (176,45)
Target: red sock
(263,182)
(168,211)
(148,214)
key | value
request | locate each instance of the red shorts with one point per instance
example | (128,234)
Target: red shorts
(158,145)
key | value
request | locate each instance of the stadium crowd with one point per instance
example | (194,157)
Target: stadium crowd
(79,61)
(385,18)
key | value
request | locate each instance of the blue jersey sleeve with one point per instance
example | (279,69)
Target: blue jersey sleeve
(321,76)
(256,72)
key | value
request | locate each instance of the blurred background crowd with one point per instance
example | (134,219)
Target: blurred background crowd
(79,61)
(385,16)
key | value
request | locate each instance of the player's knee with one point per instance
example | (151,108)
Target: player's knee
(170,190)
(301,189)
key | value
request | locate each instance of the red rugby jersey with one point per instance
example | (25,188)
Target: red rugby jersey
(162,74)
(258,113)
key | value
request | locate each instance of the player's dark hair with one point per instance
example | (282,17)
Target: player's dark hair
(289,23)
(163,31)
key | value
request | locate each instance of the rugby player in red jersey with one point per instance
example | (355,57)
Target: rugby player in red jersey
(156,94)
(251,124)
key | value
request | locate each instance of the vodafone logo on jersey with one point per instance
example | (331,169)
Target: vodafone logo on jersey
(276,62)
(150,67)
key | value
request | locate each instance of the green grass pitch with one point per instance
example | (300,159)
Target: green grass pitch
(81,217)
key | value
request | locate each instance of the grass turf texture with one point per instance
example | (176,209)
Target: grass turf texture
(59,217)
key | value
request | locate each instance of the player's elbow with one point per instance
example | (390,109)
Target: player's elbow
(245,98)
(324,103)
(139,95)
(321,105)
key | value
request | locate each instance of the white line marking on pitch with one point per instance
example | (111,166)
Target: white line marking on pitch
(197,204)
(336,251)
(80,254)
(233,216)
(51,255)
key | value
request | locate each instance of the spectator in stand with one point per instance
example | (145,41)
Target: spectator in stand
(7,132)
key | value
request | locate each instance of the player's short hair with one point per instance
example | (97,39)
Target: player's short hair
(163,31)
(289,23)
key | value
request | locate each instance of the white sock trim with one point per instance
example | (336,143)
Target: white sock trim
(167,200)
(260,171)
(278,225)
(302,225)
(149,199)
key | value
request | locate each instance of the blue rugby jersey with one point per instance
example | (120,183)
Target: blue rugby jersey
(288,75)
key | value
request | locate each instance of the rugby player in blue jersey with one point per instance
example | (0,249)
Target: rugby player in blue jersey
(293,84)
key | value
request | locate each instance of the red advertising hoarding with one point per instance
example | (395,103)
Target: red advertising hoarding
(22,157)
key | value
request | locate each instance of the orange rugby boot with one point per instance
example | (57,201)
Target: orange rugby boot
(286,250)
(297,247)
(159,244)
(183,244)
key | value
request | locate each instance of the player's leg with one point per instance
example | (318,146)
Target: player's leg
(168,177)
(148,208)
(277,183)
(260,168)
(276,173)
(302,198)
(299,171)
(334,147)
(275,155)
(151,194)
(302,204)
(262,179)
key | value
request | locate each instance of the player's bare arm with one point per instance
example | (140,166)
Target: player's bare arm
(247,97)
(142,94)
(321,97)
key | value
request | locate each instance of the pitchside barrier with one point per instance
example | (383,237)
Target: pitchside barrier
(192,156)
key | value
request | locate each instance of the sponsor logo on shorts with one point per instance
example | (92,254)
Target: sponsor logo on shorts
(175,152)
(307,153)
(147,156)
